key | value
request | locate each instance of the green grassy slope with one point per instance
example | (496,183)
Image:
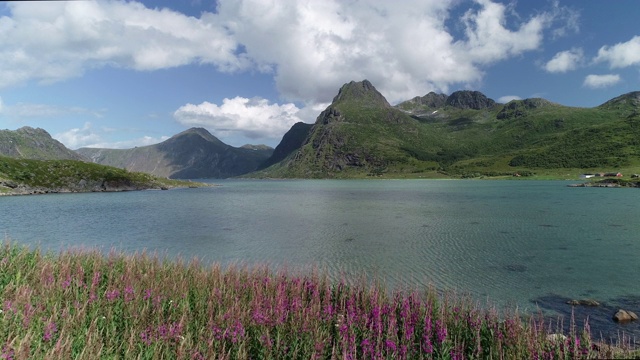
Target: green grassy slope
(468,135)
(27,176)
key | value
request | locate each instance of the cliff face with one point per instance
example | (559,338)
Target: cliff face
(291,141)
(192,154)
(469,100)
(30,143)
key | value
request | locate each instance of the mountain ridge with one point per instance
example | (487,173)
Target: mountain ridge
(463,134)
(191,154)
(34,143)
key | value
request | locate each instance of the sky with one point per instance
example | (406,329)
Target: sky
(119,74)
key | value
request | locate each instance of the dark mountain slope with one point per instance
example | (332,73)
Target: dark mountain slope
(191,154)
(291,141)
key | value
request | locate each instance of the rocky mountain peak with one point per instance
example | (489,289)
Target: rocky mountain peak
(362,92)
(628,100)
(466,99)
(33,143)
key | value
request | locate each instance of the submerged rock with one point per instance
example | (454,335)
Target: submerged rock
(584,302)
(625,316)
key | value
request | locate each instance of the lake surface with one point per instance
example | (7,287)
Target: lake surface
(513,243)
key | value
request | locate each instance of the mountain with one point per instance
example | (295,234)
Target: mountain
(191,154)
(291,141)
(465,134)
(30,143)
(359,133)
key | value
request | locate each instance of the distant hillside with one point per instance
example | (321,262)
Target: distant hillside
(465,134)
(30,143)
(191,154)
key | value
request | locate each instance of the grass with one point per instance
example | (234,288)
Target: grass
(82,304)
(72,174)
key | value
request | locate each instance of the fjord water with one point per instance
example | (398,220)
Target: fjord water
(509,242)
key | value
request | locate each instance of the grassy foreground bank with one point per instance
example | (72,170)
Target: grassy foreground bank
(82,304)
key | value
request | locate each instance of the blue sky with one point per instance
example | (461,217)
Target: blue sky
(120,74)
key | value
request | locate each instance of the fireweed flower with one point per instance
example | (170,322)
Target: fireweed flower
(112,295)
(147,294)
(128,293)
(7,353)
(49,330)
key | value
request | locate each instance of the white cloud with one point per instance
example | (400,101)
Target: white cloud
(404,48)
(78,137)
(505,99)
(601,81)
(622,54)
(311,47)
(88,136)
(565,61)
(253,118)
(52,41)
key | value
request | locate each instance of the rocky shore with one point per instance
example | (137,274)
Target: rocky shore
(10,187)
(609,183)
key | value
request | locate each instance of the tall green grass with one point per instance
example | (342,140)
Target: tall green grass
(86,305)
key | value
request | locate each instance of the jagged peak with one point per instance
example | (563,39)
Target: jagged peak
(30,130)
(361,91)
(468,99)
(202,132)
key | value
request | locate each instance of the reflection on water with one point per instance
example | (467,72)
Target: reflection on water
(506,241)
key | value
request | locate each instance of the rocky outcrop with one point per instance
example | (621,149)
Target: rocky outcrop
(625,316)
(466,99)
(583,302)
(362,92)
(12,188)
(519,108)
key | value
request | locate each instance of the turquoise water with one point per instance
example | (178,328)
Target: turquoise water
(509,242)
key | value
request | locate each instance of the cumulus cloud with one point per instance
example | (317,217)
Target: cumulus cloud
(601,81)
(311,47)
(254,118)
(565,61)
(622,54)
(78,137)
(505,99)
(404,48)
(52,41)
(88,136)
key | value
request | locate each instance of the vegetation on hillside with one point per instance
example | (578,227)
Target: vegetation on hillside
(80,304)
(464,135)
(23,176)
(30,143)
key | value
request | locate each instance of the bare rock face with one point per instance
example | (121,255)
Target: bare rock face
(465,99)
(625,316)
(362,92)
